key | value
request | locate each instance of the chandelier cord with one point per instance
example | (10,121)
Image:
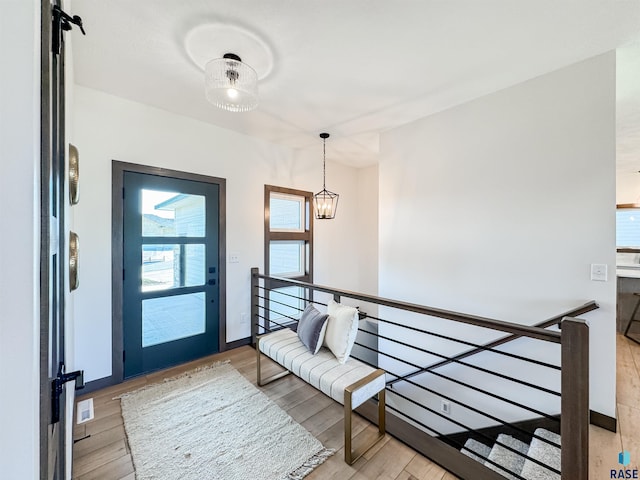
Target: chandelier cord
(324,163)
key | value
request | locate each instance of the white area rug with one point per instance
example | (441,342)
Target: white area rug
(214,424)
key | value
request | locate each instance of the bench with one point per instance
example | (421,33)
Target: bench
(351,383)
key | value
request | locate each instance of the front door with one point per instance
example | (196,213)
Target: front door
(54,256)
(171,288)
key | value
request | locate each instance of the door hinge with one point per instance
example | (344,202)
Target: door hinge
(124,356)
(123,193)
(123,274)
(62,22)
(57,387)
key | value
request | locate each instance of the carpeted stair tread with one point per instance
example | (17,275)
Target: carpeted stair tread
(477,448)
(547,454)
(508,459)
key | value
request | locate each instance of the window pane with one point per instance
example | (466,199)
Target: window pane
(286,213)
(286,258)
(172,266)
(171,318)
(628,228)
(170,214)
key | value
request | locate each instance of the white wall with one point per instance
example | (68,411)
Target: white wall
(628,187)
(368,228)
(20,239)
(498,207)
(108,127)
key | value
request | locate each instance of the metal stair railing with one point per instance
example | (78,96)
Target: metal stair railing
(272,309)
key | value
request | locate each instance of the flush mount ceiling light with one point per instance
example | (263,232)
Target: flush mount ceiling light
(231,84)
(325,203)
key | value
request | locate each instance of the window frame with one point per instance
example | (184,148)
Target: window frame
(278,235)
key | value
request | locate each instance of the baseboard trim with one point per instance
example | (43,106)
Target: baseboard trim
(237,343)
(105,382)
(603,421)
(98,384)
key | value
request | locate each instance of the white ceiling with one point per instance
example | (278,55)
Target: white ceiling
(352,68)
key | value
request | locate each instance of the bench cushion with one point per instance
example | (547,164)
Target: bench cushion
(322,371)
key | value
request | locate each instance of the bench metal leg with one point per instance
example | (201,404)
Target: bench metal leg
(350,455)
(260,381)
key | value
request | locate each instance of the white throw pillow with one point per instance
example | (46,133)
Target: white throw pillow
(342,329)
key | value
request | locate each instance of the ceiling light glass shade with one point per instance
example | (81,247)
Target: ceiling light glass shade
(325,204)
(230,84)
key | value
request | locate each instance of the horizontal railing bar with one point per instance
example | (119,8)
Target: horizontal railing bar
(289,295)
(280,303)
(459,445)
(586,308)
(480,412)
(446,397)
(464,342)
(265,328)
(474,367)
(275,311)
(272,321)
(464,384)
(460,425)
(477,432)
(485,322)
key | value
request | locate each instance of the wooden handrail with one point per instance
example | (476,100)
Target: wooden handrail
(513,328)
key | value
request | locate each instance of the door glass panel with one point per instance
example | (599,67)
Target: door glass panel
(171,214)
(286,213)
(171,318)
(172,266)
(286,258)
(290,304)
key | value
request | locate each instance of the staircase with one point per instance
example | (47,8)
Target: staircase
(520,466)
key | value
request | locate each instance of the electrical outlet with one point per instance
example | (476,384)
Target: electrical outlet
(234,258)
(244,318)
(445,407)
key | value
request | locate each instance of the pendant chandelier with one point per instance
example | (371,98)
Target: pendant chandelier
(325,203)
(230,84)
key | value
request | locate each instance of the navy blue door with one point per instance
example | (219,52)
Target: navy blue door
(170,271)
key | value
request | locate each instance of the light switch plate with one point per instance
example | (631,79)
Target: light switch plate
(599,272)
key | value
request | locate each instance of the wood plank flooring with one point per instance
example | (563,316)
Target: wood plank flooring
(604,445)
(101,451)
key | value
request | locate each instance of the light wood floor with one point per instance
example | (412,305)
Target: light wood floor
(104,453)
(604,445)
(101,451)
